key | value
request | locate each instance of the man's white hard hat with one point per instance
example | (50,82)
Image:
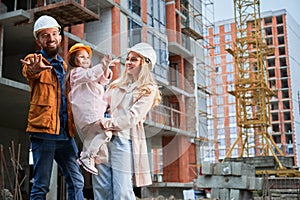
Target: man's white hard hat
(146,51)
(44,22)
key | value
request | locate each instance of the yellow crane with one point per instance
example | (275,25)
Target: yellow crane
(251,91)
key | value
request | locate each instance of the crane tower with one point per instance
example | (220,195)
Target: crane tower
(251,90)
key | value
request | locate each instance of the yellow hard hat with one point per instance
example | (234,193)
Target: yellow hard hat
(78,47)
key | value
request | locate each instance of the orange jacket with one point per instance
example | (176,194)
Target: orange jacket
(45,95)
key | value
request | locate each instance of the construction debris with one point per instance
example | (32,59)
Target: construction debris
(15,190)
(6,194)
(229,180)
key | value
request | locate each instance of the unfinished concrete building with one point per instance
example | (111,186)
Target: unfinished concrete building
(174,128)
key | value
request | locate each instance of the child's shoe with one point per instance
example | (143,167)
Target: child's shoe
(88,163)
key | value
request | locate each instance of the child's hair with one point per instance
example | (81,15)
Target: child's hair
(71,60)
(145,78)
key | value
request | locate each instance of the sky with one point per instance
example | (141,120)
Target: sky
(292,6)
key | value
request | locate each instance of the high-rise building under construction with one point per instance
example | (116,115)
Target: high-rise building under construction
(281,34)
(173,27)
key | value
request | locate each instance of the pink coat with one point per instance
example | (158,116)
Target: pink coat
(86,95)
(132,118)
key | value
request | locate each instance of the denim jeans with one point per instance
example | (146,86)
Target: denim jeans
(65,154)
(114,181)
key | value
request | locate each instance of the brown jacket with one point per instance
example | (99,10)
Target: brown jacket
(45,95)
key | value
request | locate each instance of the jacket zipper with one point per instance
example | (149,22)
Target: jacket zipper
(57,99)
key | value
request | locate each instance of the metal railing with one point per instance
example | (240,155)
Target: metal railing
(168,116)
(29,4)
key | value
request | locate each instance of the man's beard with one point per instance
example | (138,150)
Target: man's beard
(51,52)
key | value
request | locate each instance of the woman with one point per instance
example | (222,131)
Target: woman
(130,98)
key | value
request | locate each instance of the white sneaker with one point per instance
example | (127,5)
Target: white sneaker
(88,164)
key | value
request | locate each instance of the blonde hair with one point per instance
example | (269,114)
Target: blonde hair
(144,79)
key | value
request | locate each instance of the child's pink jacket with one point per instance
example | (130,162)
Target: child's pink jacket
(86,95)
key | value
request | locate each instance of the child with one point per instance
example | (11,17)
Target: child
(85,89)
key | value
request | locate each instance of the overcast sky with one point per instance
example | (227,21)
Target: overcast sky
(224,8)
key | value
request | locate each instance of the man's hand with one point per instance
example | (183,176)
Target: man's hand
(35,64)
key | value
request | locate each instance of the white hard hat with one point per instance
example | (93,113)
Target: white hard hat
(44,22)
(146,51)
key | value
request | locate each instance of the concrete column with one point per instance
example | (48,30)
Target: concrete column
(1,52)
(115,18)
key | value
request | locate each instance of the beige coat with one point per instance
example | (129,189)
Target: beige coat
(132,118)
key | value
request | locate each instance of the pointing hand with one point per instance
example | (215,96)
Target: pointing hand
(35,63)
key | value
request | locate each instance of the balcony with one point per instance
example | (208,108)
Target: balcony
(183,42)
(67,12)
(191,23)
(164,120)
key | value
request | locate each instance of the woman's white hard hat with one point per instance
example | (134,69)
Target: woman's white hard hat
(146,51)
(44,22)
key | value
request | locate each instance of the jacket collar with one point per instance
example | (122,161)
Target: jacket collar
(129,87)
(58,57)
(120,93)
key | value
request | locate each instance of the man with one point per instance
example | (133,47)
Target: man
(50,121)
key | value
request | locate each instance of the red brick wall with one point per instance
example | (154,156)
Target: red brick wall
(179,157)
(116,38)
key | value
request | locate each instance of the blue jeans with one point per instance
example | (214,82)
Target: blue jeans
(114,180)
(65,154)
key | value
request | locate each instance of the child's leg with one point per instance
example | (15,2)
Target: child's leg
(82,136)
(98,144)
(87,158)
(88,133)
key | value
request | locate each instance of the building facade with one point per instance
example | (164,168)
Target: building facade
(281,34)
(174,28)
